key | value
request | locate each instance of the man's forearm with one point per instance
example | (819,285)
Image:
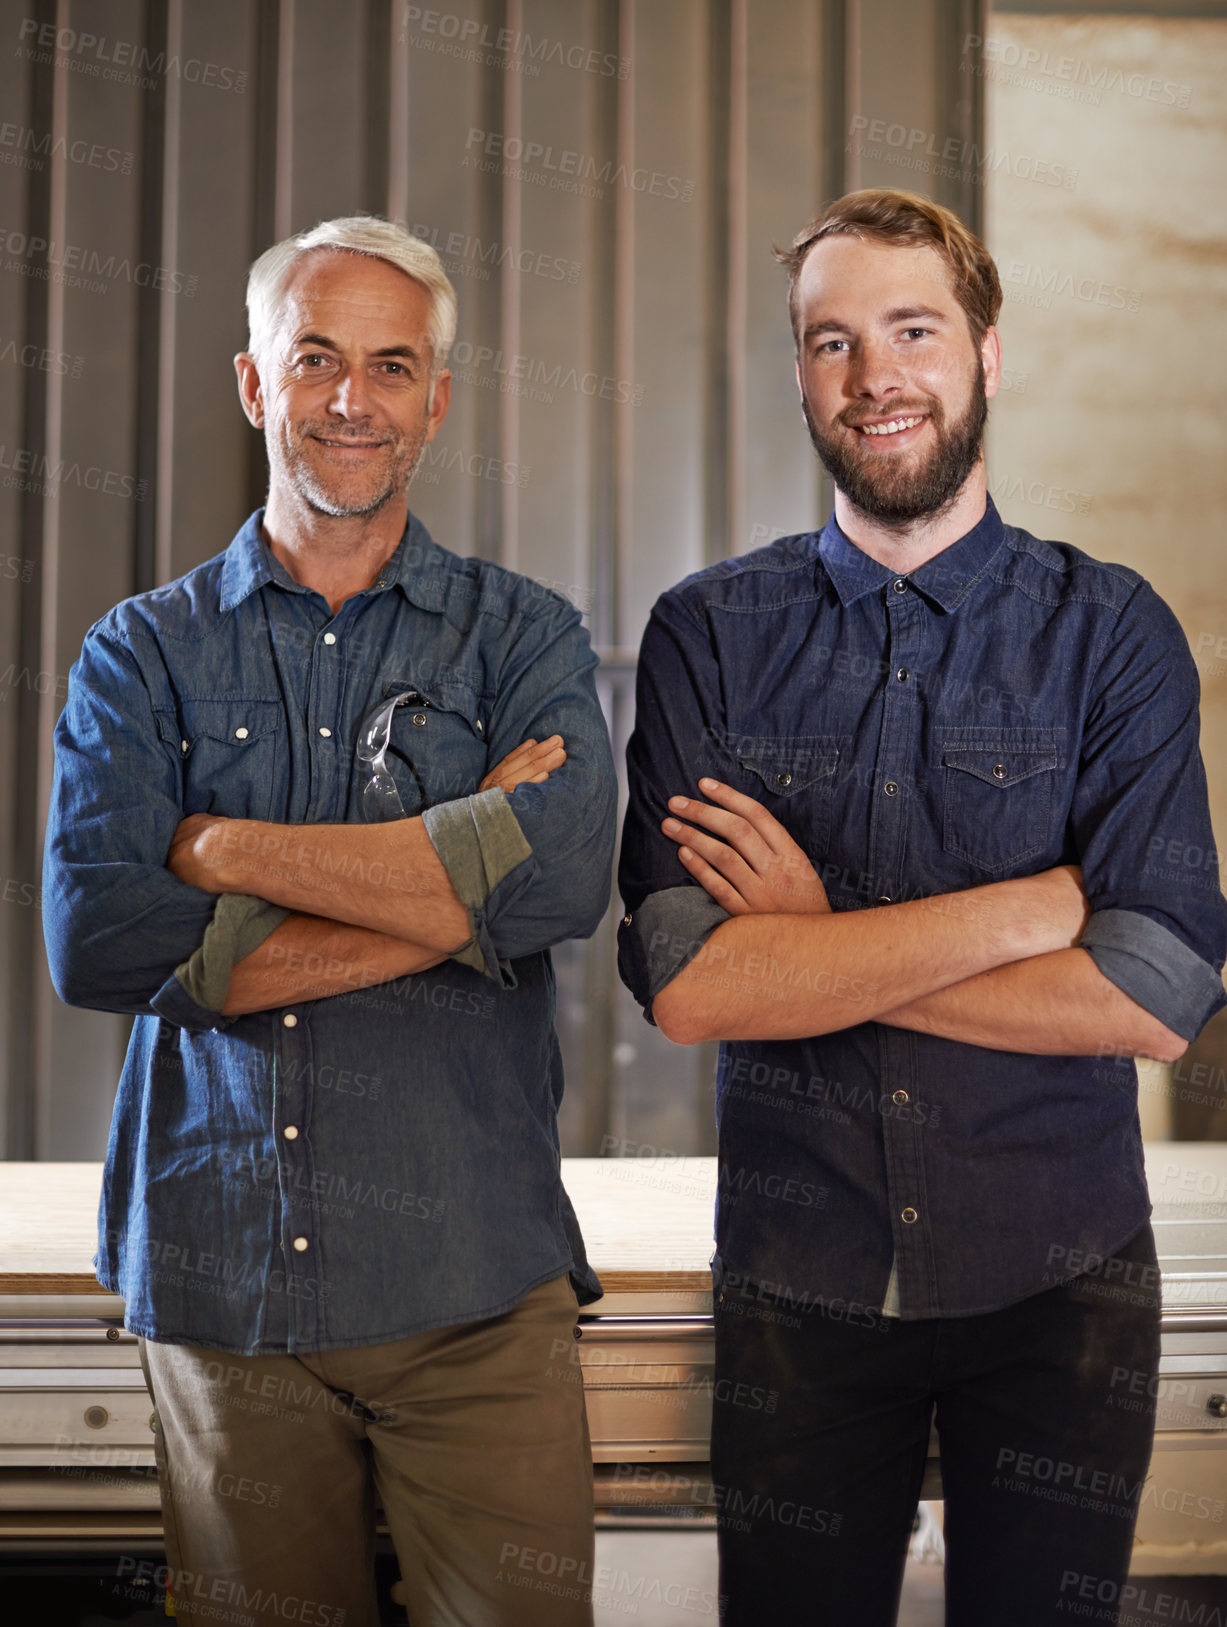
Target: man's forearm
(307,958)
(387,878)
(1058,1004)
(792,976)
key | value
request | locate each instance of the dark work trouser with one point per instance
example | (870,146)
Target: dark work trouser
(821,1429)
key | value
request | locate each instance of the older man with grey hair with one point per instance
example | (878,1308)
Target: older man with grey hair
(321,807)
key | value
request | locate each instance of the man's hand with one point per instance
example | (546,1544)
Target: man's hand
(743,856)
(528,764)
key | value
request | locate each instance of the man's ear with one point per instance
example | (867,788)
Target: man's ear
(990,355)
(439,405)
(251,392)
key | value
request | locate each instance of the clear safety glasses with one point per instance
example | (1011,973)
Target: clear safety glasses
(380,800)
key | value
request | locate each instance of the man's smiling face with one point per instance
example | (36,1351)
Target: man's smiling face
(344,385)
(894,391)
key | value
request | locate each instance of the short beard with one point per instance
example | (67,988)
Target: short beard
(896,499)
(322,500)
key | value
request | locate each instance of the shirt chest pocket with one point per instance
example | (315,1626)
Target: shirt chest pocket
(999,795)
(420,746)
(793,776)
(231,755)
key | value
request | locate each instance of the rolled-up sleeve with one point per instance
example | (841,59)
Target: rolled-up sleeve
(123,933)
(1141,821)
(239,926)
(668,917)
(533,868)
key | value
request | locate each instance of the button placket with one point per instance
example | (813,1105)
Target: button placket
(902,658)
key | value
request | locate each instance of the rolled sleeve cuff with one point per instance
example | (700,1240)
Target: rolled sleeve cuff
(1154,967)
(240,925)
(480,843)
(664,935)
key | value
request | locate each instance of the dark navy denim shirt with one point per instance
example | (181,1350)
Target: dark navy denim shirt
(1009,706)
(359,1168)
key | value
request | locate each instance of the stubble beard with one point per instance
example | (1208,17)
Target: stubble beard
(329,497)
(897,496)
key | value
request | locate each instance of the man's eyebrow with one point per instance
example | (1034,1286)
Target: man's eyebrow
(326,343)
(899,313)
(908,313)
(824,325)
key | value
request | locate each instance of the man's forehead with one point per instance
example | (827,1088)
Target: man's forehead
(349,286)
(340,274)
(847,265)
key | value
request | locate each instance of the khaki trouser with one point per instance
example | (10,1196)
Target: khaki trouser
(474,1437)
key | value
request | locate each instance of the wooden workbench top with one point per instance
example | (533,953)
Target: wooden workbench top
(647,1224)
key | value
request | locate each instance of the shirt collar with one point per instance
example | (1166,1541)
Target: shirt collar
(946,579)
(418,567)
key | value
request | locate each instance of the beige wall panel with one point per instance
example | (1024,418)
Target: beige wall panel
(1116,310)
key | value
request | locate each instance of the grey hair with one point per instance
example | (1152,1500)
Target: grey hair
(356,234)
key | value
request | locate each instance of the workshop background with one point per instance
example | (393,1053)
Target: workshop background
(604,180)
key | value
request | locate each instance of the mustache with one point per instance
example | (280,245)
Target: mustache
(853,419)
(319,429)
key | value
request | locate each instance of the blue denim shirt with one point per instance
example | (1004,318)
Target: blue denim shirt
(1009,706)
(371,1165)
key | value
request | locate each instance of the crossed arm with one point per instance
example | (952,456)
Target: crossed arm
(993,966)
(371,902)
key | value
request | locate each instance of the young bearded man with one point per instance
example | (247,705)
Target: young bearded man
(895,788)
(320,809)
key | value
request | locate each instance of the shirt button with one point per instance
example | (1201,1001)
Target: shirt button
(783,779)
(999,771)
(902,675)
(326,734)
(908,1217)
(898,1098)
(240,734)
(183,745)
(290,1132)
(884,898)
(626,920)
(330,638)
(891,789)
(301,1243)
(899,585)
(419,719)
(290,1020)
(479,726)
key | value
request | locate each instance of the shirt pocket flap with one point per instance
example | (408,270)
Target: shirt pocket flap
(456,699)
(786,765)
(1000,765)
(232,721)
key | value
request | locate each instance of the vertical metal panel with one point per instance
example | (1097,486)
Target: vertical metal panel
(791,74)
(27,85)
(214,154)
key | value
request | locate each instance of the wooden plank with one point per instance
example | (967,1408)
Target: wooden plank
(647,1224)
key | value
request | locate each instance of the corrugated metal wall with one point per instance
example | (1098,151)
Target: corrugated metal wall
(603,178)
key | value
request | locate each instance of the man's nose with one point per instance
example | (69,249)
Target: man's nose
(876,371)
(351,395)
